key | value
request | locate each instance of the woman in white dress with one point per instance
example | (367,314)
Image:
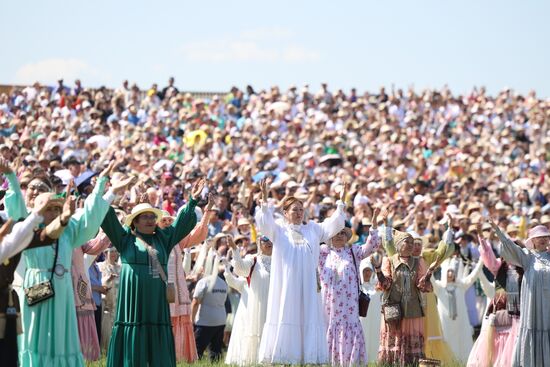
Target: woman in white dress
(371,323)
(294,331)
(451,304)
(253,285)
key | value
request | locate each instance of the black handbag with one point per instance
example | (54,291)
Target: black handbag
(44,290)
(364,299)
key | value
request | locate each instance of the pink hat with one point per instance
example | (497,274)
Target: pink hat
(538,231)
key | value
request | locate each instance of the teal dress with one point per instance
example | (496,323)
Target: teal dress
(50,333)
(142,332)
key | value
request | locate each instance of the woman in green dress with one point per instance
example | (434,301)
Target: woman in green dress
(142,332)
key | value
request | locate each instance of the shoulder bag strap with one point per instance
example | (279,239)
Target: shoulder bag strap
(356,270)
(153,257)
(54,259)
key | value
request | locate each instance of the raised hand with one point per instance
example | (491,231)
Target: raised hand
(44,205)
(344,192)
(375,213)
(108,170)
(5,167)
(264,188)
(197,188)
(120,186)
(386,213)
(450,220)
(232,245)
(69,206)
(210,203)
(6,228)
(376,260)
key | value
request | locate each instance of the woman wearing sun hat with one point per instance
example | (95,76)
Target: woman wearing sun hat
(340,279)
(142,332)
(532,347)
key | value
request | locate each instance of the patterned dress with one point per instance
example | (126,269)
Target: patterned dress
(340,294)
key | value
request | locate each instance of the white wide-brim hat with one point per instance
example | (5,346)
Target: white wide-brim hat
(538,231)
(140,209)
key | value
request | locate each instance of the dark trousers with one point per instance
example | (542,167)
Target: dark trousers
(98,313)
(209,336)
(8,345)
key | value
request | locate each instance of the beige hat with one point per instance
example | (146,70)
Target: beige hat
(140,209)
(243,222)
(545,219)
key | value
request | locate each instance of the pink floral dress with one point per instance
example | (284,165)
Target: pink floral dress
(339,291)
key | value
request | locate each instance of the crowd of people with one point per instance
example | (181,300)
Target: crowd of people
(152,226)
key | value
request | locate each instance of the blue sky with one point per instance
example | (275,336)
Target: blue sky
(213,45)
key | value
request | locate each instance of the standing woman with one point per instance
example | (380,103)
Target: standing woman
(142,332)
(532,347)
(403,278)
(180,309)
(50,333)
(253,285)
(435,345)
(294,331)
(338,266)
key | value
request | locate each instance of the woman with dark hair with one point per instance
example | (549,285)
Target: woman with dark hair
(294,331)
(142,333)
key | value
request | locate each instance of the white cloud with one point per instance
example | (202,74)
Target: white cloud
(50,70)
(268,45)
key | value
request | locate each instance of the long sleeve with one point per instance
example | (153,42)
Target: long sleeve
(19,237)
(197,234)
(487,286)
(96,245)
(511,252)
(200,262)
(388,243)
(488,256)
(472,277)
(83,226)
(422,284)
(183,224)
(187,261)
(371,245)
(386,271)
(444,249)
(333,224)
(266,222)
(114,230)
(242,266)
(13,200)
(234,282)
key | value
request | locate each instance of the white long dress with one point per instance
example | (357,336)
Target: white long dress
(371,323)
(295,331)
(450,300)
(251,313)
(235,350)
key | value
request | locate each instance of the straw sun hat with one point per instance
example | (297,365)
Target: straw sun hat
(140,209)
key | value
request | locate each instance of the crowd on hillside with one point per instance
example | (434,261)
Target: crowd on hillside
(259,222)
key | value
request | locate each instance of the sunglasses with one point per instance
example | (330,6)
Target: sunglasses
(265,239)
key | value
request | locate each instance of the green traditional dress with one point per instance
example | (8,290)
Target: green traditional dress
(142,332)
(50,333)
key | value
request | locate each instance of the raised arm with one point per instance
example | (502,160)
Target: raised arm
(96,245)
(13,200)
(472,277)
(234,282)
(187,261)
(241,266)
(384,274)
(511,252)
(333,224)
(265,221)
(20,236)
(199,233)
(487,286)
(114,230)
(83,226)
(387,242)
(487,255)
(186,219)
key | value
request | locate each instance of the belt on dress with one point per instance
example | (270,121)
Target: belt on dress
(58,270)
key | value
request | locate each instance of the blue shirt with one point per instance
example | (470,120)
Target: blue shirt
(95,279)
